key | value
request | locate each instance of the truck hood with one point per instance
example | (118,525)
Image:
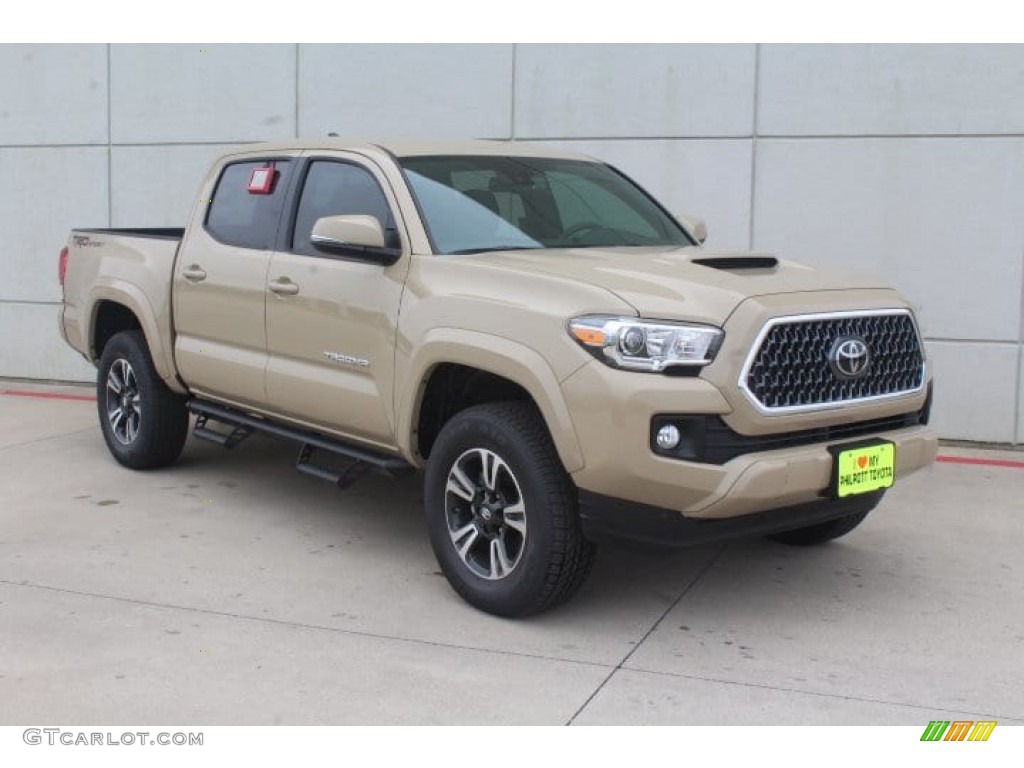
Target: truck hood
(685,283)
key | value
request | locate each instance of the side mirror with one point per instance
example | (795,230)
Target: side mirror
(695,227)
(360,236)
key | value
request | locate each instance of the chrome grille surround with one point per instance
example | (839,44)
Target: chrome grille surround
(787,369)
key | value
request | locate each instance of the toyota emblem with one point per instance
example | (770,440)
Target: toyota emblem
(850,358)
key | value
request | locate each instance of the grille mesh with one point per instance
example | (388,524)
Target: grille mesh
(792,369)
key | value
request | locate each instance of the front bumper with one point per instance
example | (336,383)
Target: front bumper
(612,412)
(607,519)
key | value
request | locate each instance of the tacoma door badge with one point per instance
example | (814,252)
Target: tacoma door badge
(338,357)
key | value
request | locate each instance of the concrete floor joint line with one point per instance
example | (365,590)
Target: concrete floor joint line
(298,624)
(686,590)
(838,696)
(44,439)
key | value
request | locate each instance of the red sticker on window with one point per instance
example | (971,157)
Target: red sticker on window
(261,181)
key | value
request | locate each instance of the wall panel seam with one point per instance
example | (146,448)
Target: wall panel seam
(110,142)
(954,340)
(297,58)
(661,137)
(1018,408)
(512,94)
(753,145)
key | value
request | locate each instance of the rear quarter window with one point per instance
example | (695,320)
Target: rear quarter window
(240,218)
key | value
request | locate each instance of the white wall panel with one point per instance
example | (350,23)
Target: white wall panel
(55,189)
(890,89)
(376,91)
(975,388)
(31,346)
(157,186)
(53,94)
(705,178)
(177,93)
(567,91)
(940,218)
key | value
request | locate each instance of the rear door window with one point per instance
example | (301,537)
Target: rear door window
(241,218)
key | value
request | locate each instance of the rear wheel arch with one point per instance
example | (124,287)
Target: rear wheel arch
(119,306)
(110,317)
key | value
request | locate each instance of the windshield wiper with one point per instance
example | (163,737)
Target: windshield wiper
(465,251)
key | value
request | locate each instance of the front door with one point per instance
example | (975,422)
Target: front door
(331,320)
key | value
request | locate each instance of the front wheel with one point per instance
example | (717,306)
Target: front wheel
(502,512)
(144,423)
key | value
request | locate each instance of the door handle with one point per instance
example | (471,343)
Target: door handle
(283,287)
(194,273)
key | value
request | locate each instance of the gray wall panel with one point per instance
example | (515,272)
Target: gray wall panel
(57,188)
(53,94)
(975,390)
(208,93)
(891,89)
(940,218)
(634,90)
(405,90)
(32,347)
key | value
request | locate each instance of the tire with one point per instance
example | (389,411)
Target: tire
(153,423)
(827,531)
(513,512)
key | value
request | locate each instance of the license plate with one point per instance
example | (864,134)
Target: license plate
(863,468)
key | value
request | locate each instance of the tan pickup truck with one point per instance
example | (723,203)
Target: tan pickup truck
(557,351)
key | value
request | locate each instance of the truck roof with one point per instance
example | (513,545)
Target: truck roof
(420,147)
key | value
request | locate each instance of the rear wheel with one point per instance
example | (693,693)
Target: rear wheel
(144,423)
(503,513)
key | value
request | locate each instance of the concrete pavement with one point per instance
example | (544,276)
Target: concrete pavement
(230,589)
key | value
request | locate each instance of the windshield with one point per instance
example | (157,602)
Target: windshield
(472,204)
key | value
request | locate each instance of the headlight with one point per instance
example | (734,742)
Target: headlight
(645,345)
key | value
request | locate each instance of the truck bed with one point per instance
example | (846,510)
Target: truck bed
(130,267)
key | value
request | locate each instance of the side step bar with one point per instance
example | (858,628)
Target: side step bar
(361,460)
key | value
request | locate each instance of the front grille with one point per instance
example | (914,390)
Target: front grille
(792,369)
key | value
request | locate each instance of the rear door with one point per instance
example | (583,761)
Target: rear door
(220,280)
(331,335)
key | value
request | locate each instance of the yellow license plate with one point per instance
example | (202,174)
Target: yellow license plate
(864,469)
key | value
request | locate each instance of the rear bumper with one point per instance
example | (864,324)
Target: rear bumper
(604,518)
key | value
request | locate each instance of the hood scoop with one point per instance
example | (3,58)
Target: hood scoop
(731,263)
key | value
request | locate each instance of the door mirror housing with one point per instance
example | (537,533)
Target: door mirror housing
(695,226)
(358,236)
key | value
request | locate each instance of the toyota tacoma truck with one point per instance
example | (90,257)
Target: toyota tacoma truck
(557,352)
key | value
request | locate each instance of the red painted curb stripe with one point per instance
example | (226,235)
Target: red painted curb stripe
(980,462)
(47,395)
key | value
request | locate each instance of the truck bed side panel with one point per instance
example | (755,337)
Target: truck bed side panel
(128,267)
